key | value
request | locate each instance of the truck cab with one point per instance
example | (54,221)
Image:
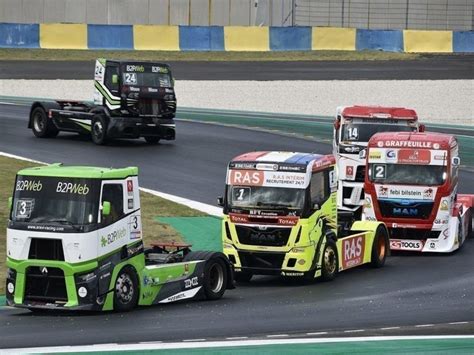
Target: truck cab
(353,127)
(280,218)
(411,184)
(75,242)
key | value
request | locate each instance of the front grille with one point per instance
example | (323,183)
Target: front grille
(150,107)
(45,284)
(360,173)
(261,260)
(46,249)
(276,237)
(393,209)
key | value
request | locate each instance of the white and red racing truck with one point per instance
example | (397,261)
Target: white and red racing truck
(353,128)
(411,184)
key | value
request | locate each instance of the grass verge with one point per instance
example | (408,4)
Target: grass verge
(82,55)
(152,206)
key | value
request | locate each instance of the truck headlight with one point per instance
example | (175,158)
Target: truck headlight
(10,287)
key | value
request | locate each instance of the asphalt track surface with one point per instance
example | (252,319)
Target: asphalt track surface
(411,290)
(427,68)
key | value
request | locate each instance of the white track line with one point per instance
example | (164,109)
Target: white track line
(217,344)
(202,207)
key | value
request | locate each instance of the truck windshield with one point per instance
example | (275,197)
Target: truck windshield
(407,174)
(54,200)
(148,79)
(362,132)
(265,197)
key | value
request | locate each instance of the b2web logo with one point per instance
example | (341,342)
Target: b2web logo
(112,237)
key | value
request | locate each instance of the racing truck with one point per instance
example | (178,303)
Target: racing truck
(281,218)
(353,128)
(74,242)
(411,184)
(131,100)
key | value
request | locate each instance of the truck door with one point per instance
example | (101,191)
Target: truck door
(112,79)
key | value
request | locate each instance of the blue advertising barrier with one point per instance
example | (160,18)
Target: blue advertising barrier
(200,38)
(290,38)
(110,36)
(17,35)
(463,41)
(382,40)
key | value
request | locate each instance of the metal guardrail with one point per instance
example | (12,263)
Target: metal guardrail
(386,14)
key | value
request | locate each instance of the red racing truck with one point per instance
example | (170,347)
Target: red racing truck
(411,184)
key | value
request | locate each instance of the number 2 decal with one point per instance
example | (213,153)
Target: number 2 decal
(379,171)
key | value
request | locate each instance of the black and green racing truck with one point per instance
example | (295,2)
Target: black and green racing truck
(74,242)
(131,100)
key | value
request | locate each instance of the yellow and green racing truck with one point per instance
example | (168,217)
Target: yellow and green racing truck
(281,218)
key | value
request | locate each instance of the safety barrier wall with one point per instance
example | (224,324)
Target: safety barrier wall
(230,38)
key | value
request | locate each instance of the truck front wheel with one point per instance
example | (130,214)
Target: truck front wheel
(380,247)
(126,290)
(99,130)
(41,125)
(330,261)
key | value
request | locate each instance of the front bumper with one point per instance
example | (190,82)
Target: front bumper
(285,263)
(41,284)
(136,127)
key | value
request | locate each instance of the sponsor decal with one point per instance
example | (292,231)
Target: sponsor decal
(193,282)
(112,237)
(155,69)
(369,218)
(285,273)
(375,154)
(436,146)
(182,295)
(152,90)
(414,156)
(406,144)
(428,194)
(136,68)
(413,192)
(353,251)
(29,185)
(444,206)
(391,155)
(130,204)
(70,188)
(349,171)
(432,245)
(368,202)
(150,281)
(132,88)
(441,221)
(130,186)
(263,166)
(383,191)
(397,244)
(267,178)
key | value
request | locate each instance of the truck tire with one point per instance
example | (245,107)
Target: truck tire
(99,130)
(152,139)
(330,262)
(243,276)
(40,124)
(126,290)
(380,247)
(215,273)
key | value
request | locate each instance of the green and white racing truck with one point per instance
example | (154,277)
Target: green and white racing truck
(131,100)
(74,242)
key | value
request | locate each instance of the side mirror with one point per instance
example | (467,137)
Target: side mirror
(337,124)
(114,79)
(10,203)
(220,201)
(422,128)
(105,208)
